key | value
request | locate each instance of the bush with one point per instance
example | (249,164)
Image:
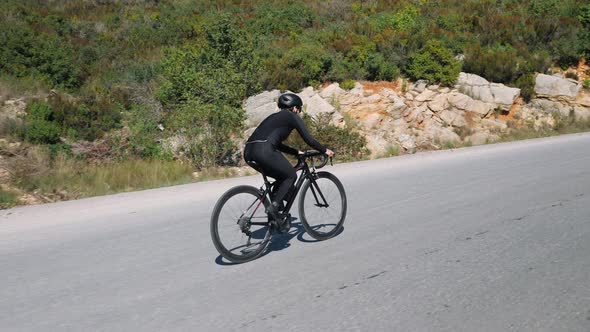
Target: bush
(586,83)
(39,111)
(143,125)
(27,53)
(379,69)
(348,144)
(526,84)
(223,71)
(434,63)
(42,132)
(7,199)
(499,64)
(347,84)
(84,120)
(208,130)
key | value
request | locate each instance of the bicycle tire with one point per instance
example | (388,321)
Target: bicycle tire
(310,211)
(233,217)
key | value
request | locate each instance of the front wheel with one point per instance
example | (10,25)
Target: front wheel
(239,224)
(322,206)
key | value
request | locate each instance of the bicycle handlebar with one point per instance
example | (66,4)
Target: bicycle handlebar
(310,154)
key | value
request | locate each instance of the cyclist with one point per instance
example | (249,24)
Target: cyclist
(263,146)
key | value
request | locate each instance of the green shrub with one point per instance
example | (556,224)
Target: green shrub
(27,53)
(586,83)
(143,124)
(7,199)
(435,63)
(223,71)
(347,143)
(208,130)
(379,69)
(85,120)
(38,110)
(347,84)
(526,84)
(499,64)
(42,132)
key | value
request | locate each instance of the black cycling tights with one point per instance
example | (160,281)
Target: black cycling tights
(272,163)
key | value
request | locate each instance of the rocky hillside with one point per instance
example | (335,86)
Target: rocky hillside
(419,116)
(398,116)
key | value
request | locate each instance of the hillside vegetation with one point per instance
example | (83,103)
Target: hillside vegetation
(127,75)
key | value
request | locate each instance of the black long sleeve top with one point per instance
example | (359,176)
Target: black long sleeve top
(277,127)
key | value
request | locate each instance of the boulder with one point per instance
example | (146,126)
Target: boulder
(482,137)
(377,142)
(494,124)
(426,95)
(480,89)
(556,87)
(453,118)
(372,99)
(415,114)
(433,131)
(447,116)
(503,95)
(439,103)
(407,142)
(332,92)
(550,106)
(260,106)
(465,103)
(582,113)
(419,86)
(583,99)
(400,127)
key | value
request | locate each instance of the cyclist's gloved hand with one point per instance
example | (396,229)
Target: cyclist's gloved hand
(330,153)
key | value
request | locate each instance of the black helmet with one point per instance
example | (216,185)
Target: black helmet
(289,100)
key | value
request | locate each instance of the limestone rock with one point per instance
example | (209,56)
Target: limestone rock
(479,88)
(437,133)
(407,142)
(582,113)
(439,103)
(260,106)
(556,87)
(468,104)
(419,86)
(13,109)
(550,106)
(498,125)
(426,95)
(332,92)
(482,137)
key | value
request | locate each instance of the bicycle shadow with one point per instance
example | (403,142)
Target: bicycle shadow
(282,241)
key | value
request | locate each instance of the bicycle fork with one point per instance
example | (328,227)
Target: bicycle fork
(315,195)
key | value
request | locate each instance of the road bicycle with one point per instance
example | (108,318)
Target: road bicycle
(241,228)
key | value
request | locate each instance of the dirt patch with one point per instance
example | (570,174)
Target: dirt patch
(509,115)
(375,87)
(583,70)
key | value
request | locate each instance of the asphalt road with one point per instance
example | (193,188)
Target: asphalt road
(489,238)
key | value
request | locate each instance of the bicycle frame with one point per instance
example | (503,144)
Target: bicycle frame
(306,173)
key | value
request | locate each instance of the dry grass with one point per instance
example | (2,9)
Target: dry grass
(63,177)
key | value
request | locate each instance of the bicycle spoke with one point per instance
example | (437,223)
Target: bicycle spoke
(234,233)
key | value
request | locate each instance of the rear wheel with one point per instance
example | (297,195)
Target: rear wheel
(239,224)
(322,206)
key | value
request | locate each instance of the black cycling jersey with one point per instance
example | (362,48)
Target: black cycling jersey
(277,127)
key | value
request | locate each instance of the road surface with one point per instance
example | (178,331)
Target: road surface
(488,238)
